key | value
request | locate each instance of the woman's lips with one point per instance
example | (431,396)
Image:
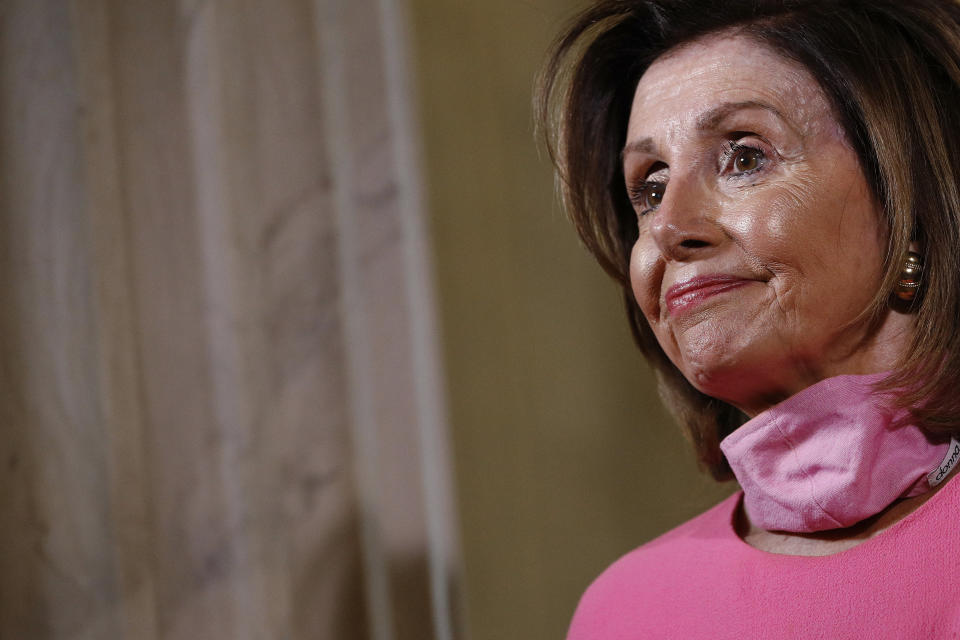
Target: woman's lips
(684,296)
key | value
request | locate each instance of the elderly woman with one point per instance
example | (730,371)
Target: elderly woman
(776,184)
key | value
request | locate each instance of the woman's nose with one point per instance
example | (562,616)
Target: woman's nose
(685,226)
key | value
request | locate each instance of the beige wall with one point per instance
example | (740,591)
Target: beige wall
(564,458)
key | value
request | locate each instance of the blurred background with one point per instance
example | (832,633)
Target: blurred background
(296,341)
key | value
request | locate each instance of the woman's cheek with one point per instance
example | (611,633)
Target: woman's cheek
(646,278)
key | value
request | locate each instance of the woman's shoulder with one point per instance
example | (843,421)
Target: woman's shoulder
(702,577)
(651,571)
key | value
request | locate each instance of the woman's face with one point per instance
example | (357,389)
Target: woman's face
(760,243)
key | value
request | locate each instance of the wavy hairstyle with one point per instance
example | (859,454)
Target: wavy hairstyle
(890,69)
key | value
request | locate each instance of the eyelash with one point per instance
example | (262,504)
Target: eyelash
(638,193)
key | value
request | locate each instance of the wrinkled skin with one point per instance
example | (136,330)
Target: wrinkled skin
(742,177)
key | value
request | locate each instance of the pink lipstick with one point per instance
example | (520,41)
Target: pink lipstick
(684,296)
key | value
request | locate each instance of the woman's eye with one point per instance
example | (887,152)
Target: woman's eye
(654,194)
(647,196)
(746,159)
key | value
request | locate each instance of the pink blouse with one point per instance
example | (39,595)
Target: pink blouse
(702,581)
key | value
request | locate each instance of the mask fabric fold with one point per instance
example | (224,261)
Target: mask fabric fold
(831,456)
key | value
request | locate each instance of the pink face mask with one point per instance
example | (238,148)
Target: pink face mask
(829,457)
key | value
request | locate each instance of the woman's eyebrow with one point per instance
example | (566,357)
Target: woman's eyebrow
(707,122)
(645,145)
(712,118)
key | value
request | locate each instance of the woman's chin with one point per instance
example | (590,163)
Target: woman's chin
(749,384)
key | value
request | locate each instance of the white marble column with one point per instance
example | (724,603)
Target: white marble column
(222,410)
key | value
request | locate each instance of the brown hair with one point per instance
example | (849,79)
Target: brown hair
(891,70)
